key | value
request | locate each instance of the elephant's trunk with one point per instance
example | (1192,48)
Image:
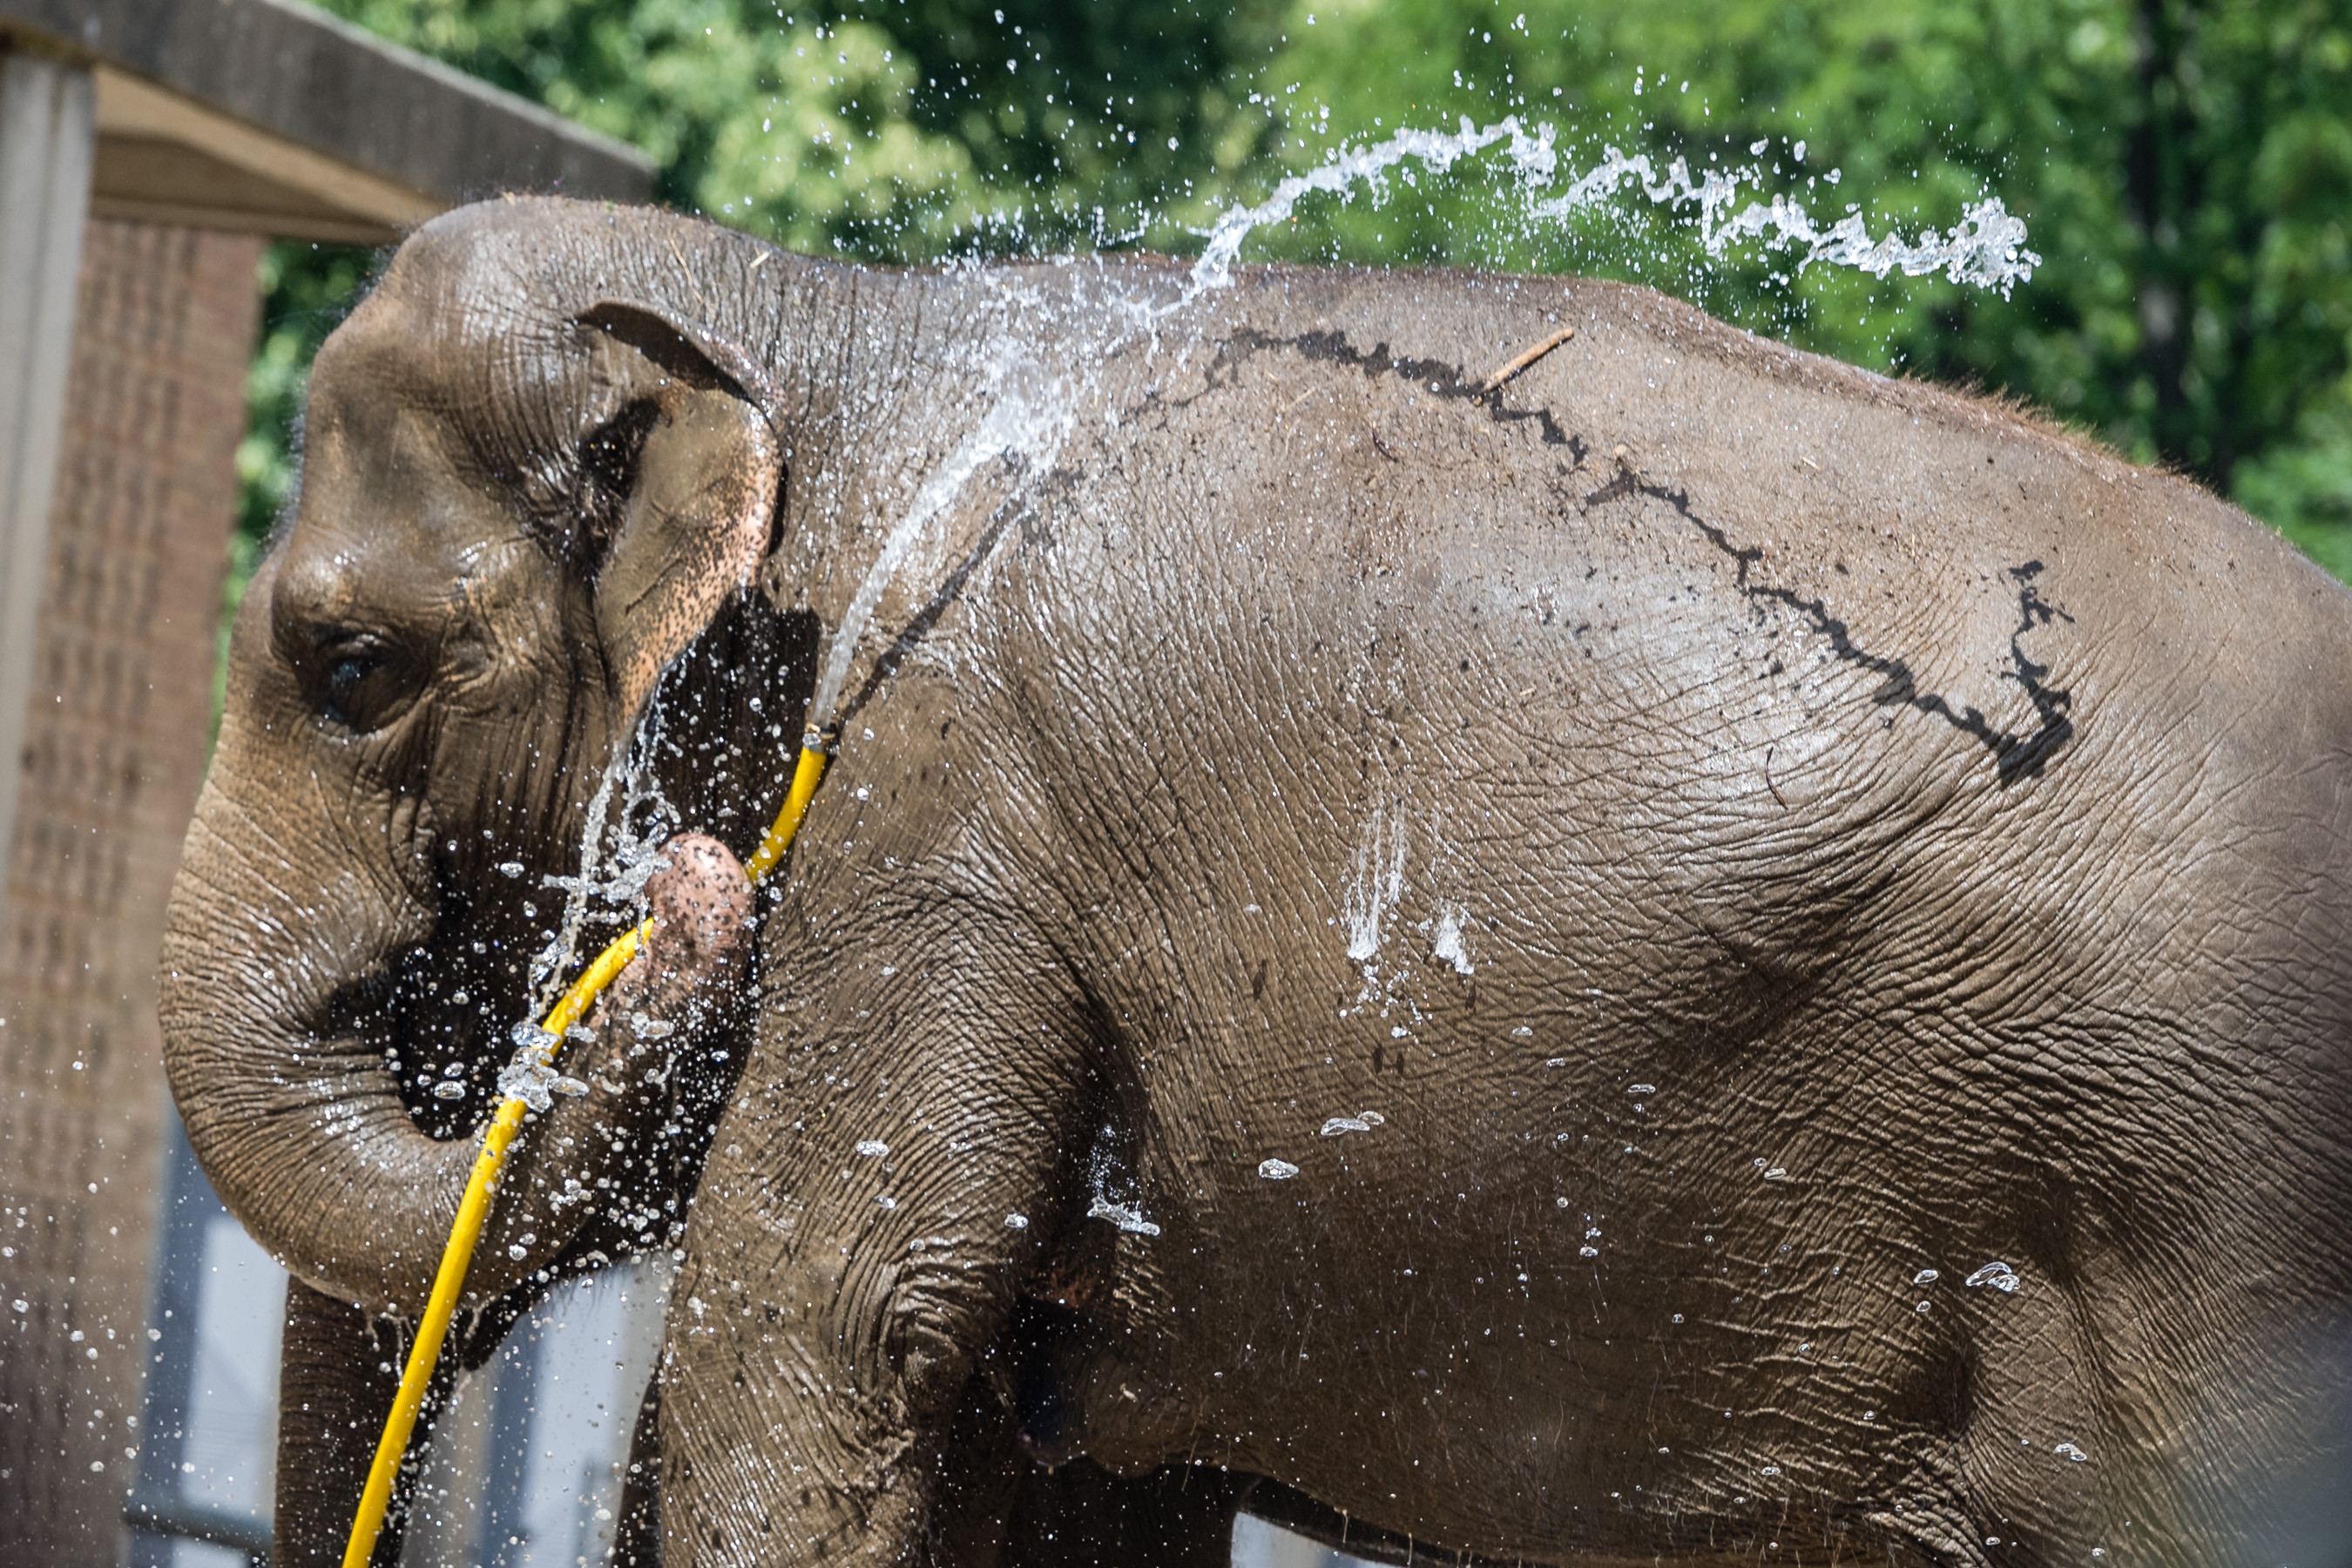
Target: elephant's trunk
(278,1018)
(290,1107)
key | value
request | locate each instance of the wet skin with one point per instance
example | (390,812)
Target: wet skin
(1764,842)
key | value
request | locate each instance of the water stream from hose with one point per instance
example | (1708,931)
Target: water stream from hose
(1986,247)
(1032,408)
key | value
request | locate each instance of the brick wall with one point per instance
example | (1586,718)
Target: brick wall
(114,747)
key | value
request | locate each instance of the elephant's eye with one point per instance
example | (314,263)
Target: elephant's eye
(359,685)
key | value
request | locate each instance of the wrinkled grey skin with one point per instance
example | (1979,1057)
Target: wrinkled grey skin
(1754,832)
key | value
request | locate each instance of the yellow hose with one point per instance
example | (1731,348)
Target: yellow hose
(457,1256)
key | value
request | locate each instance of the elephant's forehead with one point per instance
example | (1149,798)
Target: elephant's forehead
(390,490)
(371,447)
(402,399)
(446,352)
(472,284)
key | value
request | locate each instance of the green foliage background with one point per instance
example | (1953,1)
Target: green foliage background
(2185,170)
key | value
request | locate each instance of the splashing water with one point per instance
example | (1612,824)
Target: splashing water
(1029,411)
(617,858)
(1986,247)
(1126,1216)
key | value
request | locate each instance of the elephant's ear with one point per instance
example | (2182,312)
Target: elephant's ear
(699,513)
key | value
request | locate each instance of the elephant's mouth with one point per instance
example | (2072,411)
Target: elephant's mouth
(441,1013)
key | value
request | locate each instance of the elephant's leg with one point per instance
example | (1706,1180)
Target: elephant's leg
(978,1475)
(1082,1516)
(636,1539)
(997,1507)
(892,1164)
(339,1371)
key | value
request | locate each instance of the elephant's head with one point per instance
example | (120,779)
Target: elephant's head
(531,481)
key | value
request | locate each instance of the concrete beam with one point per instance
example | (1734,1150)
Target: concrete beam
(304,80)
(166,159)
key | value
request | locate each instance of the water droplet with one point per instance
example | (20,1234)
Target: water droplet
(1770,1471)
(518,1251)
(1775,1175)
(1923,1306)
(21,1305)
(509,868)
(873,1148)
(1561,1202)
(527,1079)
(1925,1276)
(1276,1170)
(1643,1089)
(2068,1451)
(1126,1216)
(1017,1221)
(2000,1276)
(1521,1033)
(1371,1119)
(571,1086)
(1339,1124)
(449,1089)
(1587,1251)
(1678,1316)
(886,1201)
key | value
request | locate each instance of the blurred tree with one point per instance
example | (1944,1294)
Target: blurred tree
(882,128)
(2185,170)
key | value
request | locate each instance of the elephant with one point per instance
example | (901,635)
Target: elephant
(1476,914)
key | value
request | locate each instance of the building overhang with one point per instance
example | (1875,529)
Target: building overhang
(266,117)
